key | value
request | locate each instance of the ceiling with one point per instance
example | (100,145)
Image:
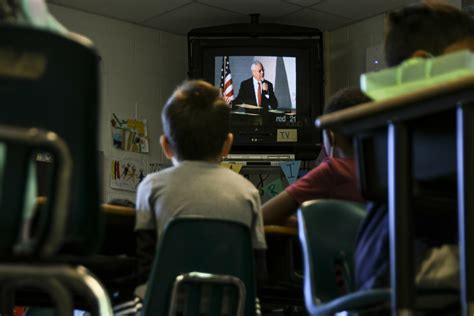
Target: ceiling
(180,16)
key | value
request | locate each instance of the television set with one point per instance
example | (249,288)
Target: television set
(294,70)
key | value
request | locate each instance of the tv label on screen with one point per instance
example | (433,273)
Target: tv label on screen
(287,135)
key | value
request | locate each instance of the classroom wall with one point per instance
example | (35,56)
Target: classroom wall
(140,67)
(347,47)
(347,51)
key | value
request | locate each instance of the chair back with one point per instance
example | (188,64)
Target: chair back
(51,82)
(18,194)
(327,230)
(197,244)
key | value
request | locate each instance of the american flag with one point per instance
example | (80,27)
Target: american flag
(226,81)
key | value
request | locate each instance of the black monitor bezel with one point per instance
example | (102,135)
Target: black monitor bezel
(309,74)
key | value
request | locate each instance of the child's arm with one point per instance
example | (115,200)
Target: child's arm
(145,252)
(260,267)
(145,229)
(277,210)
(146,246)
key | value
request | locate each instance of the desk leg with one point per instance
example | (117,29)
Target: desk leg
(400,220)
(465,170)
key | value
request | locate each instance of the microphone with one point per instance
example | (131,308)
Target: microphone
(264,87)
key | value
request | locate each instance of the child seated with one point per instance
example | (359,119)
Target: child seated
(196,136)
(334,178)
(421,30)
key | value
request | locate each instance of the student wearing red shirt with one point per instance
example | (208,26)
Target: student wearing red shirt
(334,178)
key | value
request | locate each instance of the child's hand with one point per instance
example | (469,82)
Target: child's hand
(292,221)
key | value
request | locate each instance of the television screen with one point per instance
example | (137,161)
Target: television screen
(259,89)
(273,87)
(233,72)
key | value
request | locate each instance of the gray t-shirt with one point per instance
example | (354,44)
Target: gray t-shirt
(199,188)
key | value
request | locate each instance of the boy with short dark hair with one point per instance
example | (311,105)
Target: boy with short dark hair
(425,30)
(196,137)
(195,124)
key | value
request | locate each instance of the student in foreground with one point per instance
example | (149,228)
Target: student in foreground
(196,136)
(421,30)
(334,178)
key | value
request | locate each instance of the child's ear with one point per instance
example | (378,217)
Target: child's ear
(329,136)
(165,145)
(227,144)
(421,53)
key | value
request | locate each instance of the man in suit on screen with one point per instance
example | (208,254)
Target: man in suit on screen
(257,90)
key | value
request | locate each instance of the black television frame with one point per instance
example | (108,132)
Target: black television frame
(205,44)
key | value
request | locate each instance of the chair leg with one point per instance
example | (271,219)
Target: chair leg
(86,284)
(464,119)
(59,293)
(65,277)
(7,298)
(401,229)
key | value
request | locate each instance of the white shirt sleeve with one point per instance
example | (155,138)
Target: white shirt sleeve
(145,216)
(258,233)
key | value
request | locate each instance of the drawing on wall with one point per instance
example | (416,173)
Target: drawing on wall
(129,134)
(126,174)
(273,188)
(291,170)
(232,166)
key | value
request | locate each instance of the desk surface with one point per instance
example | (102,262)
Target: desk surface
(384,110)
(118,210)
(269,229)
(281,230)
(129,211)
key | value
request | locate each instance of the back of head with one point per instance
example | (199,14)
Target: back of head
(337,145)
(345,98)
(196,121)
(430,26)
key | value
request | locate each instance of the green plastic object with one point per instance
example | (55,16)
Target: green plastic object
(35,13)
(331,227)
(417,73)
(198,244)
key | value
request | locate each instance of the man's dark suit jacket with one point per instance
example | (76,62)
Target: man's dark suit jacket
(247,95)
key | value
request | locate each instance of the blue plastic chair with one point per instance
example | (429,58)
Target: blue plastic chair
(52,84)
(327,230)
(199,251)
(49,82)
(41,273)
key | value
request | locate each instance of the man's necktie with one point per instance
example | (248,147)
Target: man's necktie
(259,95)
